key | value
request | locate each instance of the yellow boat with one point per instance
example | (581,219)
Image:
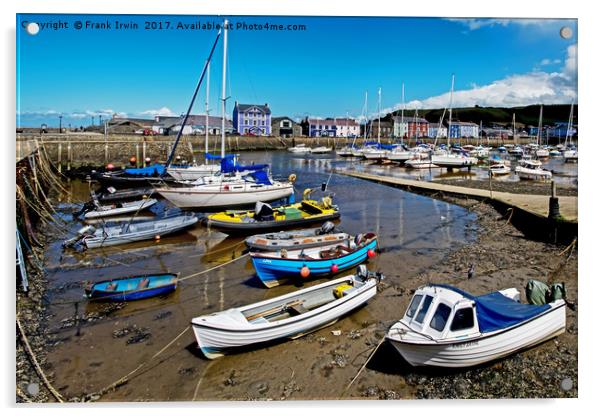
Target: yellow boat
(266,218)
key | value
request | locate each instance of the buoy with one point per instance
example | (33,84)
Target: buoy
(133,160)
(305,271)
(157,237)
(147,160)
(371,253)
(110,166)
(334,268)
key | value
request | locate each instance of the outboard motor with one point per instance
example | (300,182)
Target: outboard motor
(82,232)
(326,228)
(362,272)
(263,212)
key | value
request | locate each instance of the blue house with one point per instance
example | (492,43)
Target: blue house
(560,130)
(459,129)
(252,119)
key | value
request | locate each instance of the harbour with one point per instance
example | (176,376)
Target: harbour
(397,254)
(421,240)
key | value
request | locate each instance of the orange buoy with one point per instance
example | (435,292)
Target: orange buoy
(334,268)
(133,160)
(110,166)
(157,237)
(305,271)
(371,253)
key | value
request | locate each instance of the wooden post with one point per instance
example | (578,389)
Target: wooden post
(60,156)
(191,150)
(69,156)
(137,155)
(106,153)
(144,153)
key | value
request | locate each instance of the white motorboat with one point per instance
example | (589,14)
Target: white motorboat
(570,155)
(399,154)
(192,172)
(119,208)
(516,150)
(499,169)
(542,153)
(532,170)
(300,148)
(289,316)
(447,327)
(453,160)
(321,149)
(298,239)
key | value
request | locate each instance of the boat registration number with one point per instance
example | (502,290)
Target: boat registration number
(465,344)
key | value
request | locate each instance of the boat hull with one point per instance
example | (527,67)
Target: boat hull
(453,162)
(474,351)
(215,342)
(167,285)
(273,271)
(140,233)
(229,227)
(198,198)
(298,240)
(129,207)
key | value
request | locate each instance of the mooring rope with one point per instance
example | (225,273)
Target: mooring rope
(212,268)
(35,363)
(129,375)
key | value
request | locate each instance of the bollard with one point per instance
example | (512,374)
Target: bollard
(554,207)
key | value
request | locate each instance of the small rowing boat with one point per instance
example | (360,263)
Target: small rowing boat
(267,218)
(132,288)
(298,239)
(447,327)
(275,267)
(289,316)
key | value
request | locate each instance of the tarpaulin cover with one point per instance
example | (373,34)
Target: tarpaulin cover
(240,168)
(152,170)
(261,177)
(209,156)
(496,311)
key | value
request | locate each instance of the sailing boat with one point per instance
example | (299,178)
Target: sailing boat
(529,168)
(400,153)
(194,171)
(540,152)
(570,154)
(448,159)
(376,152)
(232,187)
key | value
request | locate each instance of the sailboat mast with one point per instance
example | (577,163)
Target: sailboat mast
(207,111)
(365,116)
(224,63)
(539,126)
(451,99)
(569,127)
(379,115)
(403,105)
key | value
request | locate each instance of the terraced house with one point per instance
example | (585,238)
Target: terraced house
(252,119)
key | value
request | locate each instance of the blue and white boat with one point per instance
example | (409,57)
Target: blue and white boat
(132,288)
(277,266)
(447,327)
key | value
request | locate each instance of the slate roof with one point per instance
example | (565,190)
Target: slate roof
(243,108)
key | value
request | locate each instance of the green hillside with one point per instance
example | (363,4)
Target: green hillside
(528,115)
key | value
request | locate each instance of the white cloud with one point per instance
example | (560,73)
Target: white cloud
(163,111)
(515,90)
(474,24)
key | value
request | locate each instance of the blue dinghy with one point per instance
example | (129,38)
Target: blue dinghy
(275,267)
(132,288)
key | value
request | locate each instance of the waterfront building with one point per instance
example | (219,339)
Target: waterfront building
(409,126)
(330,127)
(463,129)
(285,127)
(196,124)
(252,119)
(436,132)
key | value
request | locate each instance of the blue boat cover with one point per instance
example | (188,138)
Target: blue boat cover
(387,146)
(252,167)
(496,311)
(261,177)
(228,164)
(152,170)
(209,156)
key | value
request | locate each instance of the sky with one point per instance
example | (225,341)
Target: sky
(322,69)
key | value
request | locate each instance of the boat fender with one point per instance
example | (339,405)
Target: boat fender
(283,253)
(305,272)
(326,228)
(371,253)
(307,192)
(292,178)
(327,202)
(334,268)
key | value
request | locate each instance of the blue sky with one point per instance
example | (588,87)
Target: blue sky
(323,70)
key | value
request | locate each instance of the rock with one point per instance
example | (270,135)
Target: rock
(336,332)
(391,395)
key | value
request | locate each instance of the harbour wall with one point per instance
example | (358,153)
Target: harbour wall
(88,149)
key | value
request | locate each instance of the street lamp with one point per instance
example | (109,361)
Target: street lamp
(60,123)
